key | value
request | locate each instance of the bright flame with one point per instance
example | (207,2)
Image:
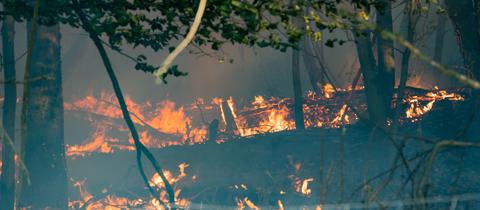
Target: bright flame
(246,202)
(416,109)
(163,120)
(113,202)
(304,187)
(280,205)
(328,90)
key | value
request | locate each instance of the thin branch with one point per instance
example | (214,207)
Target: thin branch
(421,190)
(140,148)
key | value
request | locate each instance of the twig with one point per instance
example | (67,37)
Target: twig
(421,190)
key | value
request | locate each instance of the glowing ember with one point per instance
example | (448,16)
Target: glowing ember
(246,202)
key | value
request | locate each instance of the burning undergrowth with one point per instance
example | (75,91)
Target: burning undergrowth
(165,124)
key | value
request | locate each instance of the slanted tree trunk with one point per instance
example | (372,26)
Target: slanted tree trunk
(411,19)
(386,61)
(230,124)
(314,70)
(43,143)
(464,19)
(7,183)
(297,91)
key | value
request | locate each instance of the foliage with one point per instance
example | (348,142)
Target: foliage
(155,24)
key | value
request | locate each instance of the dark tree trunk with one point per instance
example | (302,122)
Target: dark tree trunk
(411,18)
(386,61)
(7,183)
(43,146)
(464,19)
(379,77)
(297,91)
(375,105)
(439,43)
(439,38)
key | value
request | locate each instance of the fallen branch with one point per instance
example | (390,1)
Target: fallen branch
(423,183)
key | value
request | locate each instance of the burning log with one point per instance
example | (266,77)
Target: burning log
(231,125)
(118,121)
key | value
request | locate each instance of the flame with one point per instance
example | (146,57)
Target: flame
(328,90)
(113,202)
(301,186)
(163,120)
(416,109)
(341,117)
(164,123)
(280,205)
(246,202)
(274,118)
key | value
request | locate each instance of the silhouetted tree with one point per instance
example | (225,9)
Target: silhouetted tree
(42,121)
(7,182)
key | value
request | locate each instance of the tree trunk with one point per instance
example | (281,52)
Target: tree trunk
(386,61)
(411,18)
(297,91)
(43,143)
(375,105)
(7,183)
(439,38)
(462,14)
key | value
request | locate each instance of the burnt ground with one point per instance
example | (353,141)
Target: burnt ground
(347,164)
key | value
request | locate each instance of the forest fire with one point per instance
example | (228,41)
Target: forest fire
(165,124)
(240,105)
(416,108)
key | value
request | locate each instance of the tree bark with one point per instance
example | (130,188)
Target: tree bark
(43,137)
(7,183)
(411,18)
(379,77)
(375,105)
(386,61)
